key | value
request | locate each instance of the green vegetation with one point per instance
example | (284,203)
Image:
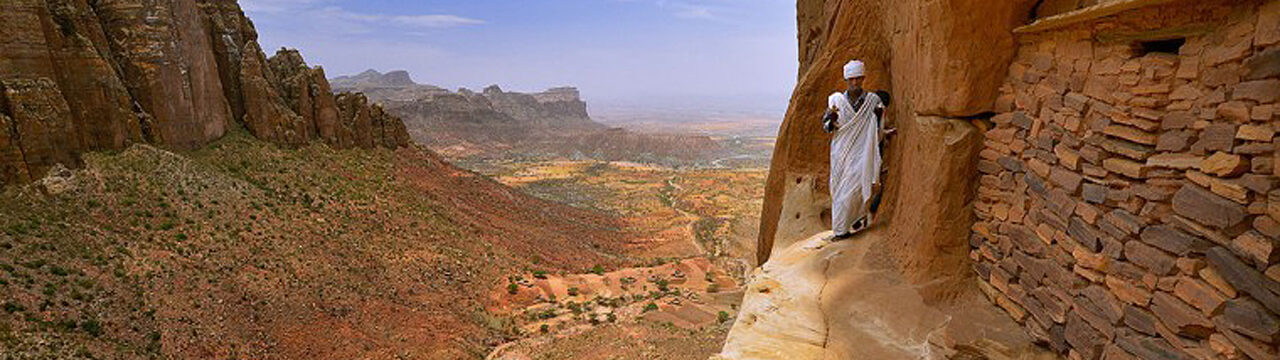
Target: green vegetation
(722,317)
(650,307)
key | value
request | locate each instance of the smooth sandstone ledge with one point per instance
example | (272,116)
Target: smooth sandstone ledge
(819,299)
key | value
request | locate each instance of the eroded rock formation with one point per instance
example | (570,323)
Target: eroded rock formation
(94,75)
(1119,156)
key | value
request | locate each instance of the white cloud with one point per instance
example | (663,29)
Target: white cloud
(435,21)
(348,21)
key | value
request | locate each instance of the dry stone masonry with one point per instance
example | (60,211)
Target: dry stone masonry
(79,75)
(1128,204)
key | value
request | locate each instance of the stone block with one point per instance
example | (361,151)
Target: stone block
(1265,64)
(1180,317)
(1133,134)
(1216,137)
(1199,294)
(1010,163)
(1247,317)
(1127,149)
(1262,165)
(1236,111)
(1211,277)
(1255,132)
(1086,235)
(1151,348)
(1140,319)
(1180,161)
(1204,207)
(1083,338)
(1127,291)
(1039,167)
(1173,141)
(1244,278)
(1262,91)
(1250,347)
(1125,221)
(1169,238)
(1231,189)
(1106,304)
(1094,193)
(1223,164)
(1258,249)
(1154,260)
(1263,112)
(1125,167)
(1177,120)
(1066,179)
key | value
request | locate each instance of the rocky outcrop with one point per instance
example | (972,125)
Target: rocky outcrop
(818,299)
(498,123)
(95,75)
(557,108)
(1111,187)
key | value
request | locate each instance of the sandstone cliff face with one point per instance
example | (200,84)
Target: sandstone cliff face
(93,75)
(937,58)
(1105,168)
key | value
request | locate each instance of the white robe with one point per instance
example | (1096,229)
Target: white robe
(855,159)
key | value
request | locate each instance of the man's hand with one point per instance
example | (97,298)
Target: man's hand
(829,120)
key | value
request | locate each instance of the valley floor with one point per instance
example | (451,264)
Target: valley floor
(696,230)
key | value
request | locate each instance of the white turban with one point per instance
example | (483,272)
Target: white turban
(853,69)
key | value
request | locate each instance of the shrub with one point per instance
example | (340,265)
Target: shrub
(544,328)
(598,270)
(612,318)
(13,308)
(722,317)
(573,291)
(92,326)
(650,307)
(539,274)
(512,288)
(713,288)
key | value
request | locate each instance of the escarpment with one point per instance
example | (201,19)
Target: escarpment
(1101,171)
(81,76)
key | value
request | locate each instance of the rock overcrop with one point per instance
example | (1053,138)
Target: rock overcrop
(1155,201)
(100,75)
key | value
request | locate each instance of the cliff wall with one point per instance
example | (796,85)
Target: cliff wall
(938,59)
(1103,171)
(83,75)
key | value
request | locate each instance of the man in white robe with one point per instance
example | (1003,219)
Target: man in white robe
(855,152)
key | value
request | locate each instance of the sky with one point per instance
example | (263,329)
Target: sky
(660,53)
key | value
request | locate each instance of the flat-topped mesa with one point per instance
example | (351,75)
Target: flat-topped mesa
(372,78)
(559,94)
(176,73)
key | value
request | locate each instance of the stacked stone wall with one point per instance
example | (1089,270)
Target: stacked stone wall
(1128,204)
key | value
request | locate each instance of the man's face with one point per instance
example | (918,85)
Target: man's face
(855,83)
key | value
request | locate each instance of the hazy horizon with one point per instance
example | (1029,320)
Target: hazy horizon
(620,53)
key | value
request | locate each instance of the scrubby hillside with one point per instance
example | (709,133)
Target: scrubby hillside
(246,250)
